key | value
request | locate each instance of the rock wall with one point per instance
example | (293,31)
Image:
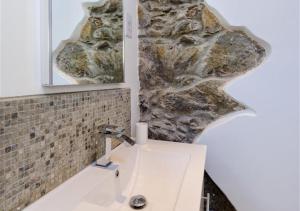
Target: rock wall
(96,54)
(186,58)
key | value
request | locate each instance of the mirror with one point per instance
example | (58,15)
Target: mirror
(85,42)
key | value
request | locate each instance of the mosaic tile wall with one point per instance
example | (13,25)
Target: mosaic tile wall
(45,140)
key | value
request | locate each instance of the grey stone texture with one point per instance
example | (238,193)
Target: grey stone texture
(45,140)
(186,57)
(96,54)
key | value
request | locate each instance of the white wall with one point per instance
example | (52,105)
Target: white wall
(255,159)
(20,53)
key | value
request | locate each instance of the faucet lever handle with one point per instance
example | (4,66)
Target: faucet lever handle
(115,129)
(111,130)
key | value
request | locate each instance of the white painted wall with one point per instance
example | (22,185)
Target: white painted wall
(255,159)
(20,69)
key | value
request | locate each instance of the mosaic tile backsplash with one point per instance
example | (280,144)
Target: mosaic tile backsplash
(46,139)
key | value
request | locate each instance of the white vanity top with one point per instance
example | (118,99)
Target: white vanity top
(169,175)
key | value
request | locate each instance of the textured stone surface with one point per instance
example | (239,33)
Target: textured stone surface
(45,140)
(96,54)
(186,58)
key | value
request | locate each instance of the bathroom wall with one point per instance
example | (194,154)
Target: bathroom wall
(20,68)
(254,159)
(187,55)
(46,139)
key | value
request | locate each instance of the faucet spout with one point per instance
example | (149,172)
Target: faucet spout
(128,140)
(110,132)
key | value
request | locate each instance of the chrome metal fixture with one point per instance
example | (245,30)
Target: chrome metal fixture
(110,132)
(138,202)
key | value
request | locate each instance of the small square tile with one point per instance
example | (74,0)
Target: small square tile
(49,133)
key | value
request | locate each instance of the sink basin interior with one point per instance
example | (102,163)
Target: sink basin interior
(159,178)
(141,171)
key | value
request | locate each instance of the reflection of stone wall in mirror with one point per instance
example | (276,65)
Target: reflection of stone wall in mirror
(94,53)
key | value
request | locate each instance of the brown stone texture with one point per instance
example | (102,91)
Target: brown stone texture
(46,139)
(96,54)
(186,57)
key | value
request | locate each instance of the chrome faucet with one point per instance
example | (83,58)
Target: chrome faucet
(110,132)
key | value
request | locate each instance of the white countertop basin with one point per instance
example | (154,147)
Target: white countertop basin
(169,175)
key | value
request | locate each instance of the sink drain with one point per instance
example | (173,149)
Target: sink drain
(138,202)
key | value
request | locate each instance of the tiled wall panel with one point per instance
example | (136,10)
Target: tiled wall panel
(46,139)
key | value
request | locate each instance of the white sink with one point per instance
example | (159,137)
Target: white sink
(169,175)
